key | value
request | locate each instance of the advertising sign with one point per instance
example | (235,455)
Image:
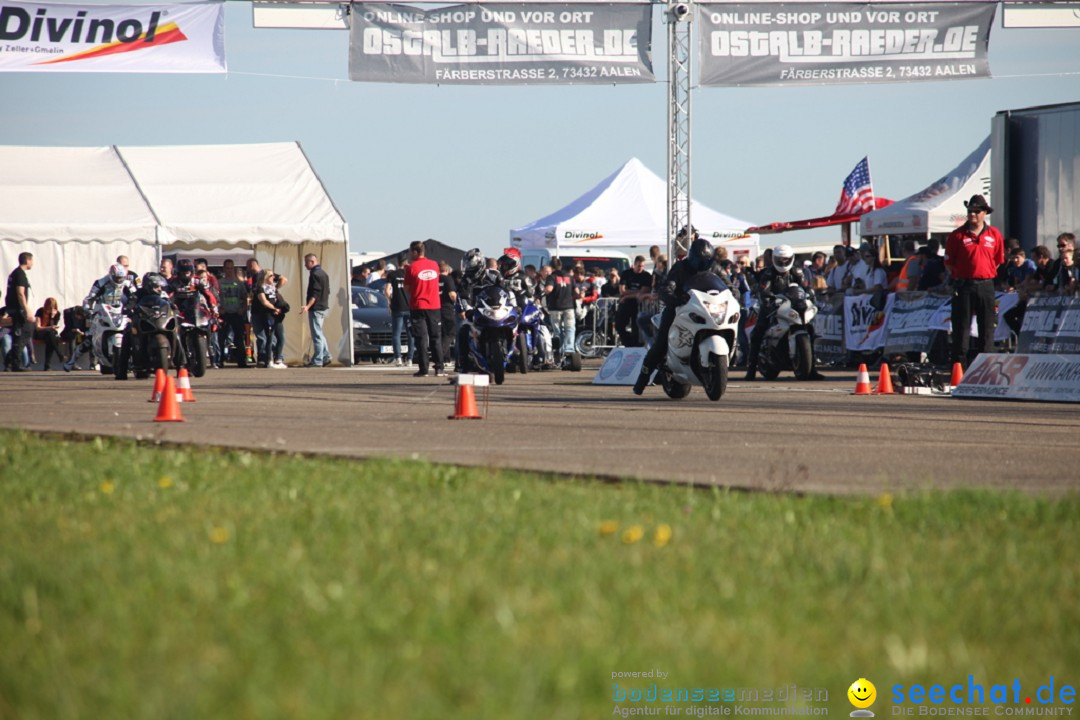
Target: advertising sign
(836,43)
(829,330)
(1051,325)
(1022,377)
(47,37)
(542,44)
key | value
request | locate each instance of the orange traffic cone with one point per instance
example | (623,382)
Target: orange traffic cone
(183,385)
(884,383)
(465,404)
(862,381)
(169,408)
(159,386)
(957,374)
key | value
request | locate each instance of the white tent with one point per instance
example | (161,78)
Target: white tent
(628,208)
(76,209)
(940,207)
(264,199)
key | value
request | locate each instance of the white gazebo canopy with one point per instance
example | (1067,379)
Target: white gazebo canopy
(627,209)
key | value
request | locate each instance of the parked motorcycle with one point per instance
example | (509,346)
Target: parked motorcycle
(107,324)
(195,328)
(151,340)
(485,340)
(702,339)
(789,342)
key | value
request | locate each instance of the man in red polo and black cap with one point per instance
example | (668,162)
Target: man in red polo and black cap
(973,254)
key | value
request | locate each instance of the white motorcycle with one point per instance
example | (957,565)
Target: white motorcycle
(107,325)
(789,342)
(702,339)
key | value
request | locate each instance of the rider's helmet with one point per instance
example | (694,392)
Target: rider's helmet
(118,274)
(509,266)
(185,269)
(472,265)
(783,258)
(700,255)
(490,277)
(155,282)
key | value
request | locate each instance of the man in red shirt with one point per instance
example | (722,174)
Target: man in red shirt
(422,287)
(973,254)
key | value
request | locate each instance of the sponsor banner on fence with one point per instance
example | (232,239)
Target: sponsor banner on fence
(1051,325)
(541,44)
(48,37)
(1022,377)
(915,320)
(834,43)
(829,329)
(864,325)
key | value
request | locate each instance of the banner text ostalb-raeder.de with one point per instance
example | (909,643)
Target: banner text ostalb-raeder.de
(811,44)
(511,44)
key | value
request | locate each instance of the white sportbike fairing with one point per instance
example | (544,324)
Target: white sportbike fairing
(702,339)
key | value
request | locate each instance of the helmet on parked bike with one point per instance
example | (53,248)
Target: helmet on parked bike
(783,258)
(185,269)
(118,273)
(509,266)
(700,255)
(473,265)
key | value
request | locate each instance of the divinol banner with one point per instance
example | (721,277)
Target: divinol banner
(45,37)
(802,44)
(544,44)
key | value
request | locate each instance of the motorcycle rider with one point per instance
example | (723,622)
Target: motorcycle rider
(516,282)
(772,282)
(114,288)
(699,258)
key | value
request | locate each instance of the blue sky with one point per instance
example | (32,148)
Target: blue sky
(466,164)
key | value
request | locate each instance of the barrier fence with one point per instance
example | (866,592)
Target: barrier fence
(909,322)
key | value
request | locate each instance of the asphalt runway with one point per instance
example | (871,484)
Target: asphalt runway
(775,436)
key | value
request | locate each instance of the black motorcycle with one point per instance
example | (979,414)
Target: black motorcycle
(151,340)
(196,321)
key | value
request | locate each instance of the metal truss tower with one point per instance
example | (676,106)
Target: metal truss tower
(679,15)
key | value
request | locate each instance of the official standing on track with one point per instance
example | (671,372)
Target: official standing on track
(973,254)
(422,287)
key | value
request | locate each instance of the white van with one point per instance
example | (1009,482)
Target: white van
(602,259)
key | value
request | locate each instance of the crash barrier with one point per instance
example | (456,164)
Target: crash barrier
(908,322)
(1022,376)
(598,334)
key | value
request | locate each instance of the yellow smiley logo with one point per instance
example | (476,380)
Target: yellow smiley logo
(862,693)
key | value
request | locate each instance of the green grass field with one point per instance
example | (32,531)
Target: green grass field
(151,582)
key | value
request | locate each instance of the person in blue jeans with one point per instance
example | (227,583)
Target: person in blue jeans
(317,304)
(399,310)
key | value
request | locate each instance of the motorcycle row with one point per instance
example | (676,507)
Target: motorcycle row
(505,329)
(148,331)
(505,325)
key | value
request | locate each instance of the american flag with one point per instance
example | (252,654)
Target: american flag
(857,197)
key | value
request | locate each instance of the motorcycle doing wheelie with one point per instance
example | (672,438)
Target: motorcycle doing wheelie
(702,339)
(196,322)
(151,341)
(490,330)
(789,342)
(107,324)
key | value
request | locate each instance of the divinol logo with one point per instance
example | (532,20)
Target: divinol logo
(110,36)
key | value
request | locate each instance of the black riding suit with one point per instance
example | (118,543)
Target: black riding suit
(770,283)
(673,294)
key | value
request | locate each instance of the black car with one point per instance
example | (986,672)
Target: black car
(373,335)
